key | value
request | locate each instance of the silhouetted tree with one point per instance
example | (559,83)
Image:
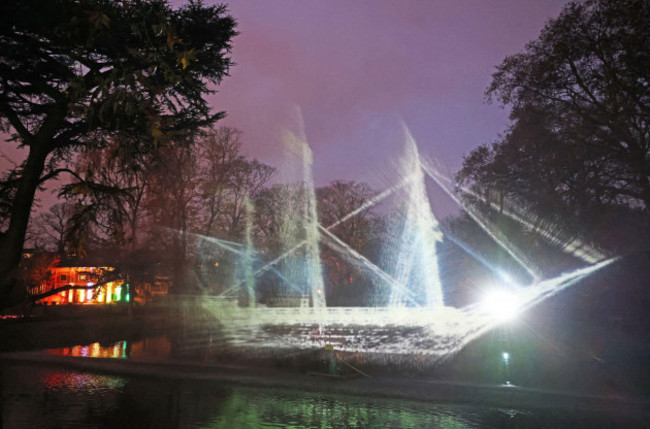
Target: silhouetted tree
(120,177)
(227,178)
(164,206)
(171,204)
(578,149)
(53,226)
(74,72)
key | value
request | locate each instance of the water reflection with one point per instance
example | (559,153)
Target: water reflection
(69,380)
(149,348)
(33,396)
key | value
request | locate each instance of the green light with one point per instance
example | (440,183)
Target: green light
(127,297)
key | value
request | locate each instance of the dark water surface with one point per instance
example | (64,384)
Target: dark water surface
(40,396)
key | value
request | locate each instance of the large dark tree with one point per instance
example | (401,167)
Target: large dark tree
(111,192)
(579,144)
(73,73)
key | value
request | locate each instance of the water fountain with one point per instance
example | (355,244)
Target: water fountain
(416,261)
(244,273)
(416,320)
(301,253)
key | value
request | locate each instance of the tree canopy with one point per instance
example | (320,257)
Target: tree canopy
(579,142)
(73,72)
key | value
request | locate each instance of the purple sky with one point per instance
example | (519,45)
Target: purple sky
(357,68)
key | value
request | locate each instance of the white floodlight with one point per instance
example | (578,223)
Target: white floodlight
(501,304)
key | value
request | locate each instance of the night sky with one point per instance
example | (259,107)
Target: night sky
(356,70)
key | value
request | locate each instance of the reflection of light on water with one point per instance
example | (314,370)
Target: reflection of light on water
(45,398)
(246,408)
(58,380)
(155,347)
(9,316)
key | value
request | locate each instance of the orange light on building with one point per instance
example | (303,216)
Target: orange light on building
(95,350)
(81,283)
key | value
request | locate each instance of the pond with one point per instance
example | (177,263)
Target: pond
(48,395)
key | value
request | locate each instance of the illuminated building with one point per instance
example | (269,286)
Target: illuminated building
(82,277)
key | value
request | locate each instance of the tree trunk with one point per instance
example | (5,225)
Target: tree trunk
(12,242)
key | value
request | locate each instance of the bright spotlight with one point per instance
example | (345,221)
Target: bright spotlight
(502,305)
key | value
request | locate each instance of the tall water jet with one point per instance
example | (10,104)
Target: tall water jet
(306,269)
(416,266)
(312,234)
(247,262)
(243,280)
